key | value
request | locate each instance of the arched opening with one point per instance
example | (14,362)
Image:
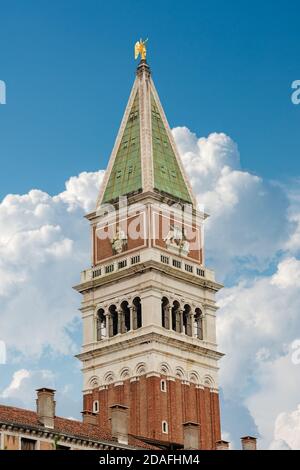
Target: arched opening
(198,324)
(101,324)
(125,317)
(187,327)
(137,313)
(176,317)
(114,321)
(165,312)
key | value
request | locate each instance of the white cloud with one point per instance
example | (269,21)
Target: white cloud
(279,445)
(257,324)
(80,191)
(44,244)
(253,224)
(16,382)
(288,274)
(293,242)
(23,383)
(287,429)
(248,222)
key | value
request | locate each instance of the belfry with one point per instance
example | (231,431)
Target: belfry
(148,310)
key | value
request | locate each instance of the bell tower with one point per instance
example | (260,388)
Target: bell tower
(148,309)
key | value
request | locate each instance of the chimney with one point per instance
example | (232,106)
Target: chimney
(119,423)
(45,407)
(190,436)
(248,443)
(222,445)
(88,417)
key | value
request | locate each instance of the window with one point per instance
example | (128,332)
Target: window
(101,324)
(27,444)
(163,385)
(95,406)
(114,321)
(135,259)
(126,326)
(164,426)
(164,259)
(137,313)
(165,308)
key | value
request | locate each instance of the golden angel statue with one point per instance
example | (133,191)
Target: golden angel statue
(140,48)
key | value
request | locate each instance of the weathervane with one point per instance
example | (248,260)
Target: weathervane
(140,48)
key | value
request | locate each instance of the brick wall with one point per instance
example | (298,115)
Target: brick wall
(149,406)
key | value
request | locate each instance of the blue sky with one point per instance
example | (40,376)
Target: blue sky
(68,66)
(219,67)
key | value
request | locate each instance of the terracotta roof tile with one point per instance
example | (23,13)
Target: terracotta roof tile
(21,417)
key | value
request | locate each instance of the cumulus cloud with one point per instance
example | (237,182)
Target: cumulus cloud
(288,274)
(20,390)
(80,191)
(44,244)
(256,327)
(248,222)
(254,226)
(279,445)
(287,431)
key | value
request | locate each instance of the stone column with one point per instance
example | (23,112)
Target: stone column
(120,320)
(179,320)
(189,328)
(110,325)
(134,317)
(166,313)
(200,326)
(98,327)
(131,317)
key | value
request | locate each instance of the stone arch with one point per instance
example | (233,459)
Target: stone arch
(165,369)
(179,373)
(141,368)
(208,381)
(125,373)
(109,377)
(194,377)
(94,382)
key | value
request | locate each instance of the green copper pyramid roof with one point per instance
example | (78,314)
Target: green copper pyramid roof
(145,157)
(167,174)
(126,176)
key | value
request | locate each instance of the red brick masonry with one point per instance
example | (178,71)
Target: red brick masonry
(149,406)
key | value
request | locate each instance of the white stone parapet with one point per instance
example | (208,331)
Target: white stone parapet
(142,256)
